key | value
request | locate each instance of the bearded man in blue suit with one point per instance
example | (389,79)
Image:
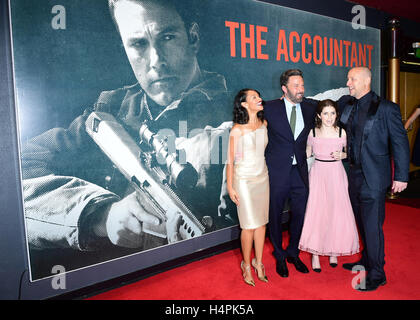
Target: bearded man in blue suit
(289,122)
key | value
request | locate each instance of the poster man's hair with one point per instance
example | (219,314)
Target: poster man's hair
(187,9)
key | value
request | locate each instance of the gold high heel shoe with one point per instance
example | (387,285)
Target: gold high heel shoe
(255,265)
(246,269)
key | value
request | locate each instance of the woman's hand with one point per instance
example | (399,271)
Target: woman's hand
(338,155)
(233,196)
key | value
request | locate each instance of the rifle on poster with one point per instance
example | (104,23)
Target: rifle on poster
(152,170)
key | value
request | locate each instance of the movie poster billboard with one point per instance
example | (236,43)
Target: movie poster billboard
(125,107)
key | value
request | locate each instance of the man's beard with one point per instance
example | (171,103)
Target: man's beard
(295,98)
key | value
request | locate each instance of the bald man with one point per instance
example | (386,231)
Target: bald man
(375,133)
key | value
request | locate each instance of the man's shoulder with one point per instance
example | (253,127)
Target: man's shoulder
(383,104)
(270,106)
(212,86)
(387,103)
(275,102)
(309,101)
(387,107)
(107,95)
(345,99)
(111,100)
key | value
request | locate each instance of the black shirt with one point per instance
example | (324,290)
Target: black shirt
(362,106)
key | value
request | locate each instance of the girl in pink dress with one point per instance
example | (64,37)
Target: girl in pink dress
(329,228)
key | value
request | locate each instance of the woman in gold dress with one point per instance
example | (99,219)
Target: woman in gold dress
(247,178)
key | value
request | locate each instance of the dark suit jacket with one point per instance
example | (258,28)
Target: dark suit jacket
(383,135)
(281,144)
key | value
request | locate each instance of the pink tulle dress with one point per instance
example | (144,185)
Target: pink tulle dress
(329,227)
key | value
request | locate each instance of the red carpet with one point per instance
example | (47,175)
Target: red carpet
(219,277)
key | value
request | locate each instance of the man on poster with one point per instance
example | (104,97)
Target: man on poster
(74,196)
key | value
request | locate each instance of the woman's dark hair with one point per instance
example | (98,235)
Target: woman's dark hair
(240,114)
(321,105)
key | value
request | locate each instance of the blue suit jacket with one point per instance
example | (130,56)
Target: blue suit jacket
(383,135)
(281,143)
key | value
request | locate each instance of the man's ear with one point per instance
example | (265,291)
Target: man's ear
(368,82)
(194,36)
(284,89)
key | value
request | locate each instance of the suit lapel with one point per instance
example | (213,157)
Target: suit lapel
(307,119)
(344,118)
(373,108)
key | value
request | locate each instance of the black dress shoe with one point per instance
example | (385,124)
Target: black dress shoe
(299,265)
(281,268)
(350,266)
(372,285)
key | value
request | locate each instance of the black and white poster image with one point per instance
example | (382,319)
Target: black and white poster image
(125,108)
(139,167)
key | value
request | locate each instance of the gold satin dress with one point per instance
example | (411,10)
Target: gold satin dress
(250,179)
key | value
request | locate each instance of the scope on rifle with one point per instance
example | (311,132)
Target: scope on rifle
(182,176)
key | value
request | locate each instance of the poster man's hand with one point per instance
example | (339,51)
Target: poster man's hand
(124,224)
